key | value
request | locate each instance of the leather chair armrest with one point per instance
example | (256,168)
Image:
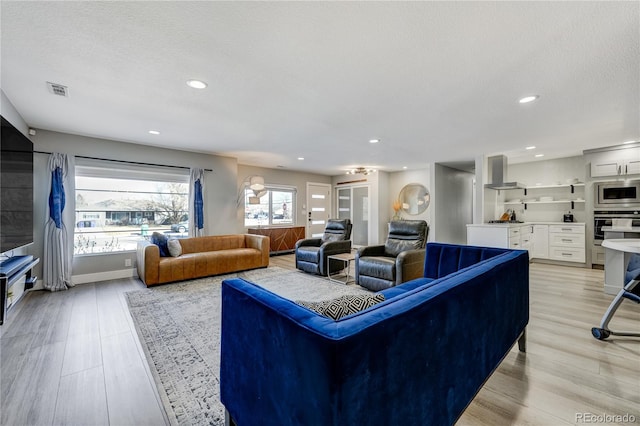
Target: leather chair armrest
(410,265)
(370,251)
(314,242)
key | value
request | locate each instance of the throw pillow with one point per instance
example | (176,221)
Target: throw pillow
(161,241)
(344,305)
(175,249)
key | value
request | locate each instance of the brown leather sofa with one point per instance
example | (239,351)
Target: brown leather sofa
(202,257)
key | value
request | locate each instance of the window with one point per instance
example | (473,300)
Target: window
(118,206)
(276,207)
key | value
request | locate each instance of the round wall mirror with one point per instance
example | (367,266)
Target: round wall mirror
(414,198)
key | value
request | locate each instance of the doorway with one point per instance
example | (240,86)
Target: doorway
(318,208)
(353,203)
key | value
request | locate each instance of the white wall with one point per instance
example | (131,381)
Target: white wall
(8,111)
(453,205)
(548,172)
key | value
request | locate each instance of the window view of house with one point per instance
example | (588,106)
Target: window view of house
(113,214)
(276,207)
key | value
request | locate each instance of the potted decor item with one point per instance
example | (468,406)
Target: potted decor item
(397,205)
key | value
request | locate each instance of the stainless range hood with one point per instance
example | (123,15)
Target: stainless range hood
(498,174)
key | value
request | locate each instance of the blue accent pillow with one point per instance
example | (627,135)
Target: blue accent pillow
(161,241)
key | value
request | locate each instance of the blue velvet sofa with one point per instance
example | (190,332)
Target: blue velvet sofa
(417,358)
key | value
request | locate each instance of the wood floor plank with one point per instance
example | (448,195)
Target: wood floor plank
(112,315)
(82,399)
(130,394)
(33,396)
(84,315)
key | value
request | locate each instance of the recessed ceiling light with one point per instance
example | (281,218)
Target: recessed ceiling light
(196,84)
(154,132)
(374,140)
(539,155)
(300,158)
(405,167)
(629,142)
(530,147)
(528,99)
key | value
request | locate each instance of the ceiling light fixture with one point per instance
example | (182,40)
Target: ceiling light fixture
(539,155)
(628,142)
(196,84)
(301,158)
(528,99)
(154,132)
(405,167)
(361,170)
(255,184)
(530,148)
(374,140)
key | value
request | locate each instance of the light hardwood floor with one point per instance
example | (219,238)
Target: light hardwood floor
(74,358)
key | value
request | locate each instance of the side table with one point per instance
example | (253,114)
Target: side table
(346,259)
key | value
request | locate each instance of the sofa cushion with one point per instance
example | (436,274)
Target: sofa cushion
(397,290)
(378,266)
(308,254)
(161,241)
(174,247)
(344,305)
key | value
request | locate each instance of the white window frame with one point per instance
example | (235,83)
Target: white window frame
(106,239)
(268,220)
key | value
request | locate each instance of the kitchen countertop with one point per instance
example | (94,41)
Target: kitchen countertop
(621,229)
(513,225)
(629,245)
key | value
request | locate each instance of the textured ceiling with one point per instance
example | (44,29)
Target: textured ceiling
(434,81)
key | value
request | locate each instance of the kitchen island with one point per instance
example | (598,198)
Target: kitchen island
(617,255)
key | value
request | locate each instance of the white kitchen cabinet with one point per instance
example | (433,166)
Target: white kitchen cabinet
(618,162)
(488,235)
(526,238)
(515,236)
(540,242)
(567,242)
(553,241)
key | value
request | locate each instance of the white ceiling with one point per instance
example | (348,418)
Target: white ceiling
(434,81)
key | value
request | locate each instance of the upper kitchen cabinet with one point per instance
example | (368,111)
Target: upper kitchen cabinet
(620,160)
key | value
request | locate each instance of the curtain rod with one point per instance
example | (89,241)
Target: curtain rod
(126,162)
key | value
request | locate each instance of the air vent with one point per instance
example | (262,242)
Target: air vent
(58,89)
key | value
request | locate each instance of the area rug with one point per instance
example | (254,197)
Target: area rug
(179,329)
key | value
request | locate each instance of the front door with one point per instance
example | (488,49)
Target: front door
(318,208)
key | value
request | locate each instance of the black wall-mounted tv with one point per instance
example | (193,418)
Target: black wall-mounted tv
(16,188)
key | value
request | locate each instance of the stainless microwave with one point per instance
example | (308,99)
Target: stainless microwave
(625,194)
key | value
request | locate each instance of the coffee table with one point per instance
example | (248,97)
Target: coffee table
(346,259)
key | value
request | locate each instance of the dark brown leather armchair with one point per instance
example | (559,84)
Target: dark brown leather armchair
(399,260)
(311,253)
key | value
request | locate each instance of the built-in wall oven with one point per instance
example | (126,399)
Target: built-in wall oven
(617,195)
(605,218)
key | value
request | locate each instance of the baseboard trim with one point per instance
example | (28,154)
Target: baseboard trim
(610,289)
(104,276)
